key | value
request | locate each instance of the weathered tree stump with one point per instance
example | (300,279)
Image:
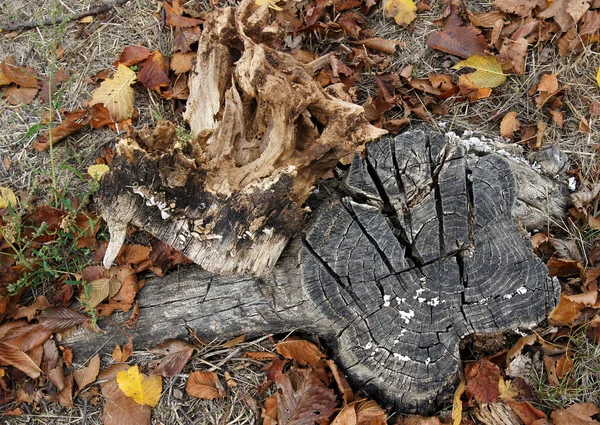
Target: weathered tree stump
(417,250)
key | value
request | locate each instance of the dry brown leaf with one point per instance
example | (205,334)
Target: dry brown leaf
(564,268)
(577,414)
(566,13)
(74,121)
(260,355)
(456,39)
(182,62)
(33,309)
(514,53)
(557,117)
(48,90)
(539,136)
(403,11)
(519,7)
(23,77)
(176,354)
(584,126)
(61,319)
(471,91)
(204,385)
(183,38)
(342,384)
(122,355)
(420,420)
(19,95)
(155,71)
(547,88)
(368,412)
(174,18)
(302,398)
(482,381)
(509,125)
(346,416)
(381,44)
(526,412)
(304,352)
(485,19)
(582,198)
(233,342)
(132,55)
(133,254)
(120,409)
(86,376)
(569,308)
(123,299)
(11,356)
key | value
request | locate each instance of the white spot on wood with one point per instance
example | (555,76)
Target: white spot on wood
(422,300)
(406,315)
(401,357)
(522,290)
(434,301)
(369,345)
(427,361)
(572,184)
(386,300)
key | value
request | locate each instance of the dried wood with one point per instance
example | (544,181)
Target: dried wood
(415,252)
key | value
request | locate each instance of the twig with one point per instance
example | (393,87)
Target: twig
(20,26)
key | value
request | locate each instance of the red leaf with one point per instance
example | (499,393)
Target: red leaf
(155,71)
(74,121)
(482,381)
(132,55)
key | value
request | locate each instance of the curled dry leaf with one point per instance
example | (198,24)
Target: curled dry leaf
(346,416)
(73,122)
(11,356)
(182,62)
(304,352)
(381,44)
(509,125)
(547,88)
(564,268)
(519,7)
(371,413)
(133,254)
(22,77)
(176,354)
(204,385)
(526,412)
(86,376)
(123,299)
(569,308)
(32,310)
(471,91)
(116,94)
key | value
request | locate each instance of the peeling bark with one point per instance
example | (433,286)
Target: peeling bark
(417,250)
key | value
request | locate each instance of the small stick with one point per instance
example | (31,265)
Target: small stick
(20,26)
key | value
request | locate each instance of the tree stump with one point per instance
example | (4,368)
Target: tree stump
(416,250)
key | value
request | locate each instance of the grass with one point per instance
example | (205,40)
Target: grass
(582,383)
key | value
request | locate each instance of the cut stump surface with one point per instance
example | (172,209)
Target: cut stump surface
(415,252)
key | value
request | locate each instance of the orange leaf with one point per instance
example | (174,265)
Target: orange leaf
(133,254)
(155,71)
(526,412)
(20,95)
(11,356)
(304,352)
(182,62)
(577,414)
(509,125)
(23,77)
(563,268)
(132,55)
(74,121)
(84,377)
(381,44)
(123,300)
(471,91)
(569,307)
(204,385)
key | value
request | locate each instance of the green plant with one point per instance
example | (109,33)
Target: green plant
(582,383)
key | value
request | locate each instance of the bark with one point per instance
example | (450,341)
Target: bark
(417,250)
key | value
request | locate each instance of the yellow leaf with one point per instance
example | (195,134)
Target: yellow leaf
(97,171)
(143,389)
(403,11)
(457,404)
(269,3)
(506,390)
(488,71)
(4,80)
(7,197)
(116,94)
(598,76)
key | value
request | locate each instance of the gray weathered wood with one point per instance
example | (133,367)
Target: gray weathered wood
(417,251)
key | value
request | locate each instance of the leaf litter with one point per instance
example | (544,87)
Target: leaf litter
(457,37)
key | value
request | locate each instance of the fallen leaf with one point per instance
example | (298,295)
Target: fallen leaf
(132,55)
(584,125)
(577,414)
(547,88)
(368,412)
(21,76)
(526,412)
(403,11)
(73,122)
(20,95)
(519,7)
(176,354)
(34,308)
(381,44)
(566,13)
(509,125)
(233,342)
(133,254)
(49,88)
(96,171)
(304,352)
(100,290)
(61,319)
(482,381)
(557,117)
(154,73)
(116,94)
(120,409)
(343,387)
(271,4)
(204,385)
(122,355)
(182,62)
(456,39)
(260,355)
(183,38)
(563,268)
(514,52)
(420,420)
(471,91)
(302,398)
(507,390)
(569,308)
(174,18)
(11,356)
(87,375)
(346,416)
(488,71)
(123,299)
(7,197)
(457,404)
(485,19)
(145,390)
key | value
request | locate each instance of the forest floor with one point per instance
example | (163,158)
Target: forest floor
(550,99)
